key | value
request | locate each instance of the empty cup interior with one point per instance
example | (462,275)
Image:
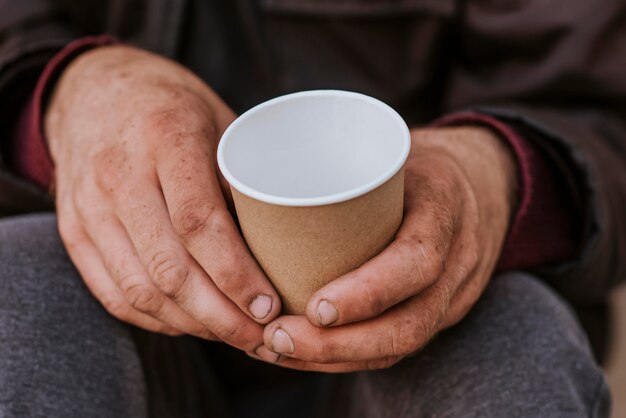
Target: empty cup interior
(313,148)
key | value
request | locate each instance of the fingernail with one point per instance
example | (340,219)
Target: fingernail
(266,354)
(326,312)
(260,306)
(281,342)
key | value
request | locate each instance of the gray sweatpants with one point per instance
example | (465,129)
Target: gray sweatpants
(519,353)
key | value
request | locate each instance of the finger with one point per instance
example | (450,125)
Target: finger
(105,290)
(410,264)
(147,225)
(197,308)
(200,218)
(89,264)
(120,260)
(397,332)
(474,275)
(167,262)
(346,367)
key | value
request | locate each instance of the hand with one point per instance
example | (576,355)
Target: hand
(459,196)
(140,203)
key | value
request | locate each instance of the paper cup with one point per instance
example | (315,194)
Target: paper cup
(318,181)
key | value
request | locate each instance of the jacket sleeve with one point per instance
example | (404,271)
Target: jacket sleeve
(557,74)
(31,33)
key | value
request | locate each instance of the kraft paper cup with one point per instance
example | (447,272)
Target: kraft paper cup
(317,179)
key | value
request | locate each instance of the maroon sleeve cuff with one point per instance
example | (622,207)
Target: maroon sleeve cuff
(544,228)
(28,151)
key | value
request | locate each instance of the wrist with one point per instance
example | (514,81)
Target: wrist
(486,161)
(493,164)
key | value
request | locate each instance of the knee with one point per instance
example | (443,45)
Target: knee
(40,286)
(527,311)
(51,327)
(31,255)
(520,352)
(532,350)
(28,243)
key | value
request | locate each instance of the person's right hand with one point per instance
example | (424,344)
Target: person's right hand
(140,202)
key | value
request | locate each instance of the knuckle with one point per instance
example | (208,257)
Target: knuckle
(235,335)
(326,352)
(437,259)
(192,217)
(115,306)
(425,260)
(418,330)
(169,273)
(178,117)
(396,341)
(232,279)
(112,167)
(375,302)
(164,120)
(143,298)
(408,334)
(218,221)
(430,258)
(231,333)
(183,121)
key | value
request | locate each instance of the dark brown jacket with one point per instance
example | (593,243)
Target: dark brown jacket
(556,71)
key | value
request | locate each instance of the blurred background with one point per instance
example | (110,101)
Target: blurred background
(616,364)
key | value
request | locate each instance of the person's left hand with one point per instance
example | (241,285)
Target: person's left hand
(460,191)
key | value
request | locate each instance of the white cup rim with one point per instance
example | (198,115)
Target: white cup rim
(317,200)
